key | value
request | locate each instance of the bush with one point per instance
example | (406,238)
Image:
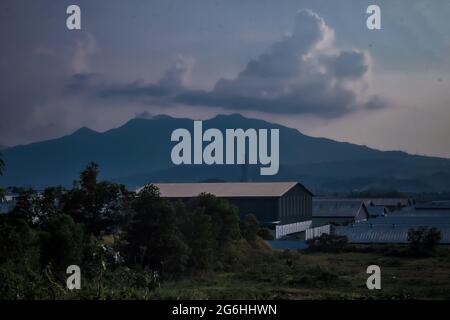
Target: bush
(423,241)
(249,228)
(265,234)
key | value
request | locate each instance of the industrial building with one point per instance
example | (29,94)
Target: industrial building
(391,204)
(376,211)
(338,211)
(394,227)
(284,207)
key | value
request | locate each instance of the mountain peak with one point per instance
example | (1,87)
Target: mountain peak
(84,131)
(233,116)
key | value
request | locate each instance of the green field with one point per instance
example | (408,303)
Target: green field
(297,275)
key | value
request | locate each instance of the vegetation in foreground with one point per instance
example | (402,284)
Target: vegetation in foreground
(140,246)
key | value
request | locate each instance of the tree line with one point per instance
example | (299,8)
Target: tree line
(127,239)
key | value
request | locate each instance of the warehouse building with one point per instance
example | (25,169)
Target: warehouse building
(284,207)
(376,211)
(392,204)
(394,227)
(338,211)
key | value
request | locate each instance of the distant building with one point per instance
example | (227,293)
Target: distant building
(338,211)
(376,211)
(8,202)
(394,227)
(434,205)
(284,207)
(392,204)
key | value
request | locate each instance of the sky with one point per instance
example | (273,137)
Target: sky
(307,64)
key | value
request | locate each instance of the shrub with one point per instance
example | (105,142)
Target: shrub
(265,233)
(423,241)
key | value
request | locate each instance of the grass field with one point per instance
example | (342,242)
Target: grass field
(299,275)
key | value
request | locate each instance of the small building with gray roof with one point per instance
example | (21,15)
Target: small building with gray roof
(338,211)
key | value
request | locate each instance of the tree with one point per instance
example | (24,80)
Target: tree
(154,236)
(49,203)
(224,218)
(423,241)
(62,242)
(101,206)
(198,233)
(18,241)
(27,206)
(249,228)
(88,177)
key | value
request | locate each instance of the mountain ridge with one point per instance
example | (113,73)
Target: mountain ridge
(138,152)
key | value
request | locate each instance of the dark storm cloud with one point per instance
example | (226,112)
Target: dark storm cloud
(134,90)
(174,80)
(348,64)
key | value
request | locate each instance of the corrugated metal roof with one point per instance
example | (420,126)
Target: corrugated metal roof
(376,210)
(336,207)
(394,227)
(385,202)
(436,205)
(382,235)
(391,202)
(226,189)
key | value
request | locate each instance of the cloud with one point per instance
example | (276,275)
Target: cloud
(302,74)
(175,80)
(178,76)
(84,48)
(34,100)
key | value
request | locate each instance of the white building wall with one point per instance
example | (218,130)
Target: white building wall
(317,232)
(283,230)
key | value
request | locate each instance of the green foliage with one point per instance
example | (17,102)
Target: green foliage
(62,242)
(423,241)
(199,236)
(102,207)
(35,208)
(221,220)
(265,233)
(154,237)
(224,217)
(19,243)
(317,277)
(249,228)
(142,246)
(26,207)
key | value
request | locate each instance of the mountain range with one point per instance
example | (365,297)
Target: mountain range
(139,152)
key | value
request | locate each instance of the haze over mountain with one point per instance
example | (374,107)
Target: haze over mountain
(139,152)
